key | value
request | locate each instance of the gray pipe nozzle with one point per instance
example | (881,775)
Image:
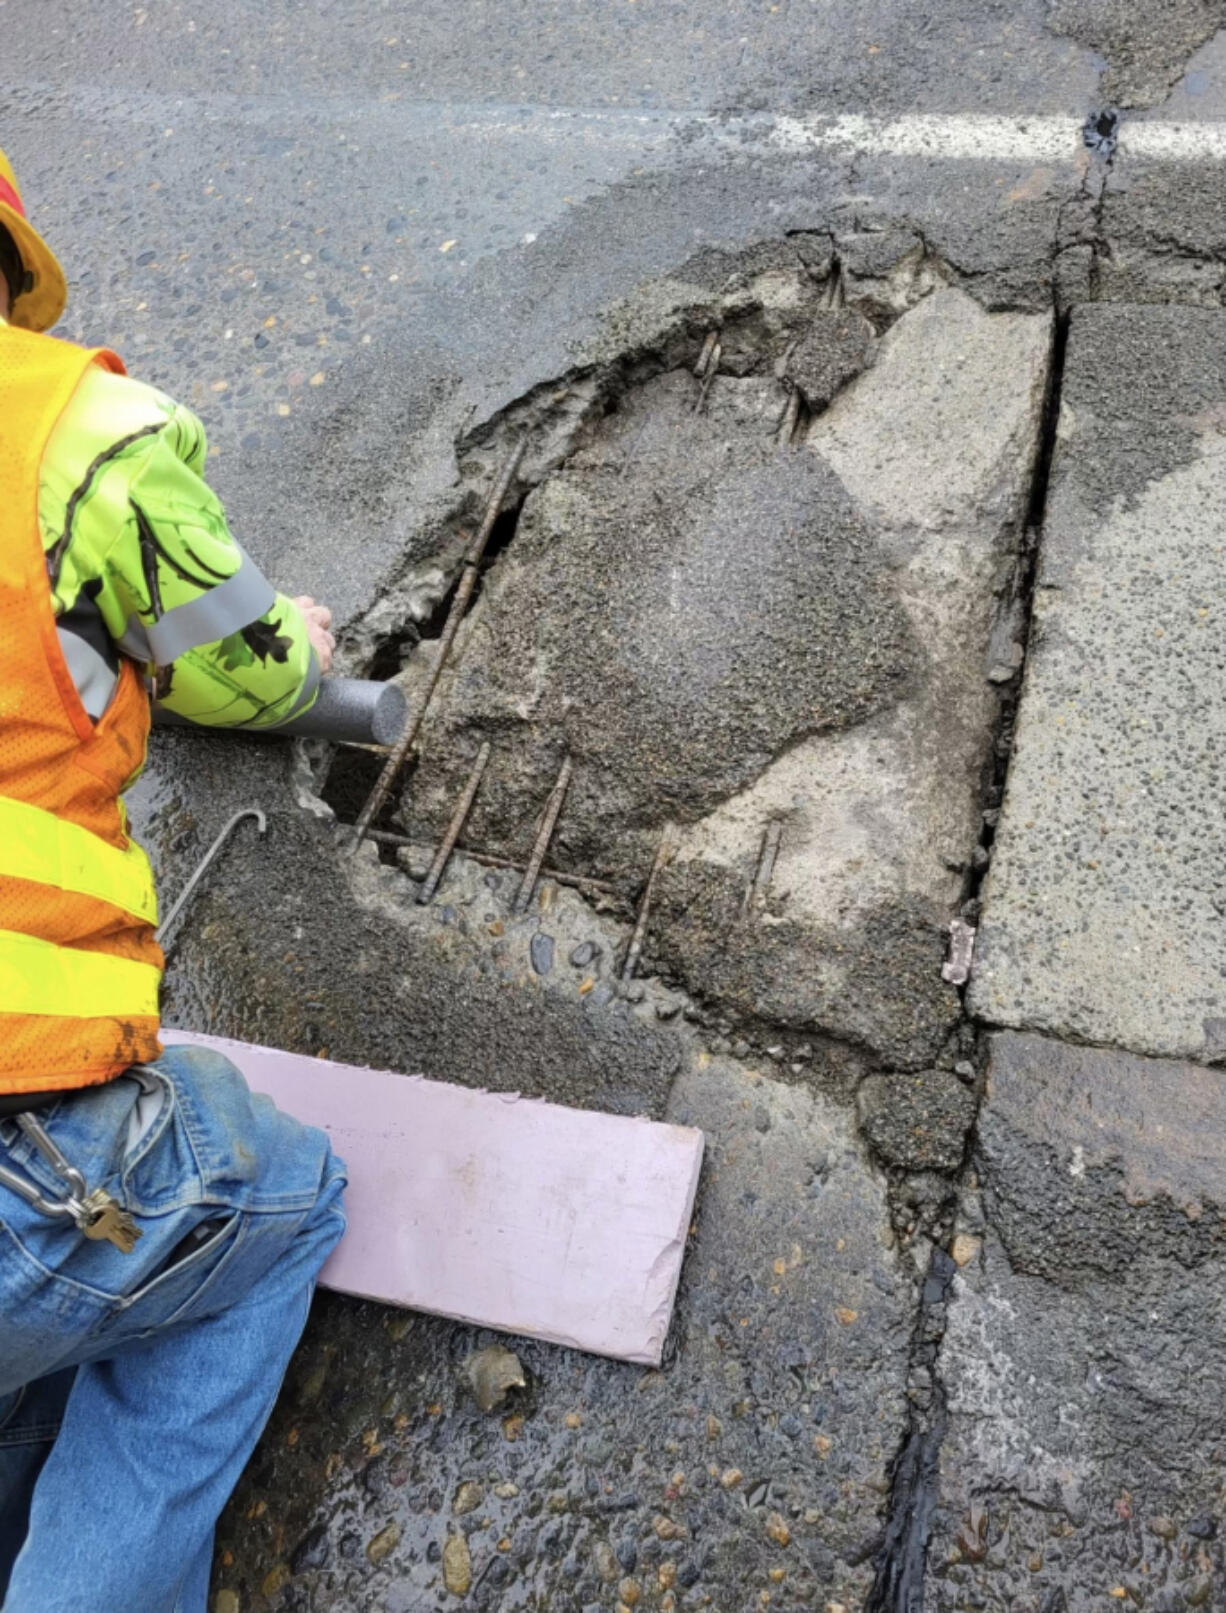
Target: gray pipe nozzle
(346,709)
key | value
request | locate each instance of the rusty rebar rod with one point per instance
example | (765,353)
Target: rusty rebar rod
(459,604)
(755,896)
(458,819)
(487,859)
(704,357)
(553,808)
(709,375)
(789,418)
(639,934)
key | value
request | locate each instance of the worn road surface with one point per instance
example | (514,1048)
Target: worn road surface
(866,553)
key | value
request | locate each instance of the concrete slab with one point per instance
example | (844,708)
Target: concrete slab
(755,1461)
(879,820)
(1105,906)
(1082,1464)
(501,1211)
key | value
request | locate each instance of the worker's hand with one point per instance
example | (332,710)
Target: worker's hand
(318,619)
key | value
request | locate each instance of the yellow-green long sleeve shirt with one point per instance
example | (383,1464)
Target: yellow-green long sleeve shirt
(142,563)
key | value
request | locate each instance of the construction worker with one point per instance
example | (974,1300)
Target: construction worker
(160,1227)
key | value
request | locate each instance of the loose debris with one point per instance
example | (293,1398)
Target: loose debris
(491,1373)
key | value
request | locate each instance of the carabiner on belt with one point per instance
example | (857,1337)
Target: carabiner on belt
(95,1214)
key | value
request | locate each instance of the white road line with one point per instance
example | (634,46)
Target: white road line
(941,136)
(984,136)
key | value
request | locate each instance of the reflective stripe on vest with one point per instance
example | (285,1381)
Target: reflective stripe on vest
(38,977)
(39,846)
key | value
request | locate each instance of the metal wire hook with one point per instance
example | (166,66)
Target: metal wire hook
(184,895)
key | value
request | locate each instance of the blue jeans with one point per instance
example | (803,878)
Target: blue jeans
(133,1387)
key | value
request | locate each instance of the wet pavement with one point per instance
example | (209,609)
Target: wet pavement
(900,610)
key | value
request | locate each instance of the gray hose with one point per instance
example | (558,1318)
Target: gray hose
(352,709)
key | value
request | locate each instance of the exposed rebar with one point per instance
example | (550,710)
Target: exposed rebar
(487,859)
(553,808)
(458,819)
(639,935)
(704,357)
(755,896)
(709,375)
(459,604)
(789,418)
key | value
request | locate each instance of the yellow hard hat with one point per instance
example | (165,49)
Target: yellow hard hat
(41,302)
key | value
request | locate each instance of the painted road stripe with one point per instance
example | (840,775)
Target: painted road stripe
(985,136)
(960,137)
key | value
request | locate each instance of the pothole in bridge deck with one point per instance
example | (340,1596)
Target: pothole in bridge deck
(725,633)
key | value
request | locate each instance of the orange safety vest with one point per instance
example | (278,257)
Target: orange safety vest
(79,966)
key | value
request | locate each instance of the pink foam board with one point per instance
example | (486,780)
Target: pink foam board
(563,1224)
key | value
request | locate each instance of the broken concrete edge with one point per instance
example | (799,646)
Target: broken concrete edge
(1091,1234)
(661,327)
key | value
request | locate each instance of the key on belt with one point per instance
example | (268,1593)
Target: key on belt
(96,1214)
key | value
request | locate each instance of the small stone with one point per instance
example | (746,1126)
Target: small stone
(559,1501)
(1164,1528)
(836,1607)
(540,950)
(846,1316)
(790,1425)
(629,1591)
(668,1602)
(667,1528)
(731,1477)
(666,1575)
(714,1428)
(384,1543)
(627,1554)
(964,1248)
(586,952)
(1202,1528)
(822,1444)
(468,1497)
(227,1602)
(312,1551)
(573,1420)
(276,1580)
(457,1565)
(688,1574)
(777,1575)
(606,1562)
(512,1428)
(491,1373)
(777,1530)
(506,1491)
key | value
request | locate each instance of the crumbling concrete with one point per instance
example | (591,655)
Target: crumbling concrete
(463,989)
(1082,1464)
(1105,907)
(756,1462)
(722,634)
